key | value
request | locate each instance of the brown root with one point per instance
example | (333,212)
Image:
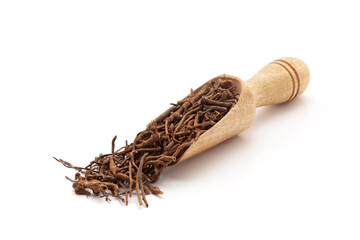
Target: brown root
(164,141)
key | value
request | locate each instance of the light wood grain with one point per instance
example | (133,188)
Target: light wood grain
(278,82)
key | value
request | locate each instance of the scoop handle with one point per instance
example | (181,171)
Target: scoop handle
(280,81)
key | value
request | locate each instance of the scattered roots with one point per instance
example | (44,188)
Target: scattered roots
(138,165)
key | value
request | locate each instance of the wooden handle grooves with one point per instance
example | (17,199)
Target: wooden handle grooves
(280,81)
(294,77)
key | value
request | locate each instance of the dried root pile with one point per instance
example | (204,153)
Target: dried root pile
(136,166)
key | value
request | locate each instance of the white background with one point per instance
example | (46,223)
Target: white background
(75,73)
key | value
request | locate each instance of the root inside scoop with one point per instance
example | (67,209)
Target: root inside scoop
(138,165)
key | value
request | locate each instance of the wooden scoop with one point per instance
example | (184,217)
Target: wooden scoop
(278,82)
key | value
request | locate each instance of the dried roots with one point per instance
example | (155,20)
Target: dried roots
(136,166)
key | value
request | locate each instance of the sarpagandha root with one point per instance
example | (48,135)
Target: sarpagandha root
(138,165)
